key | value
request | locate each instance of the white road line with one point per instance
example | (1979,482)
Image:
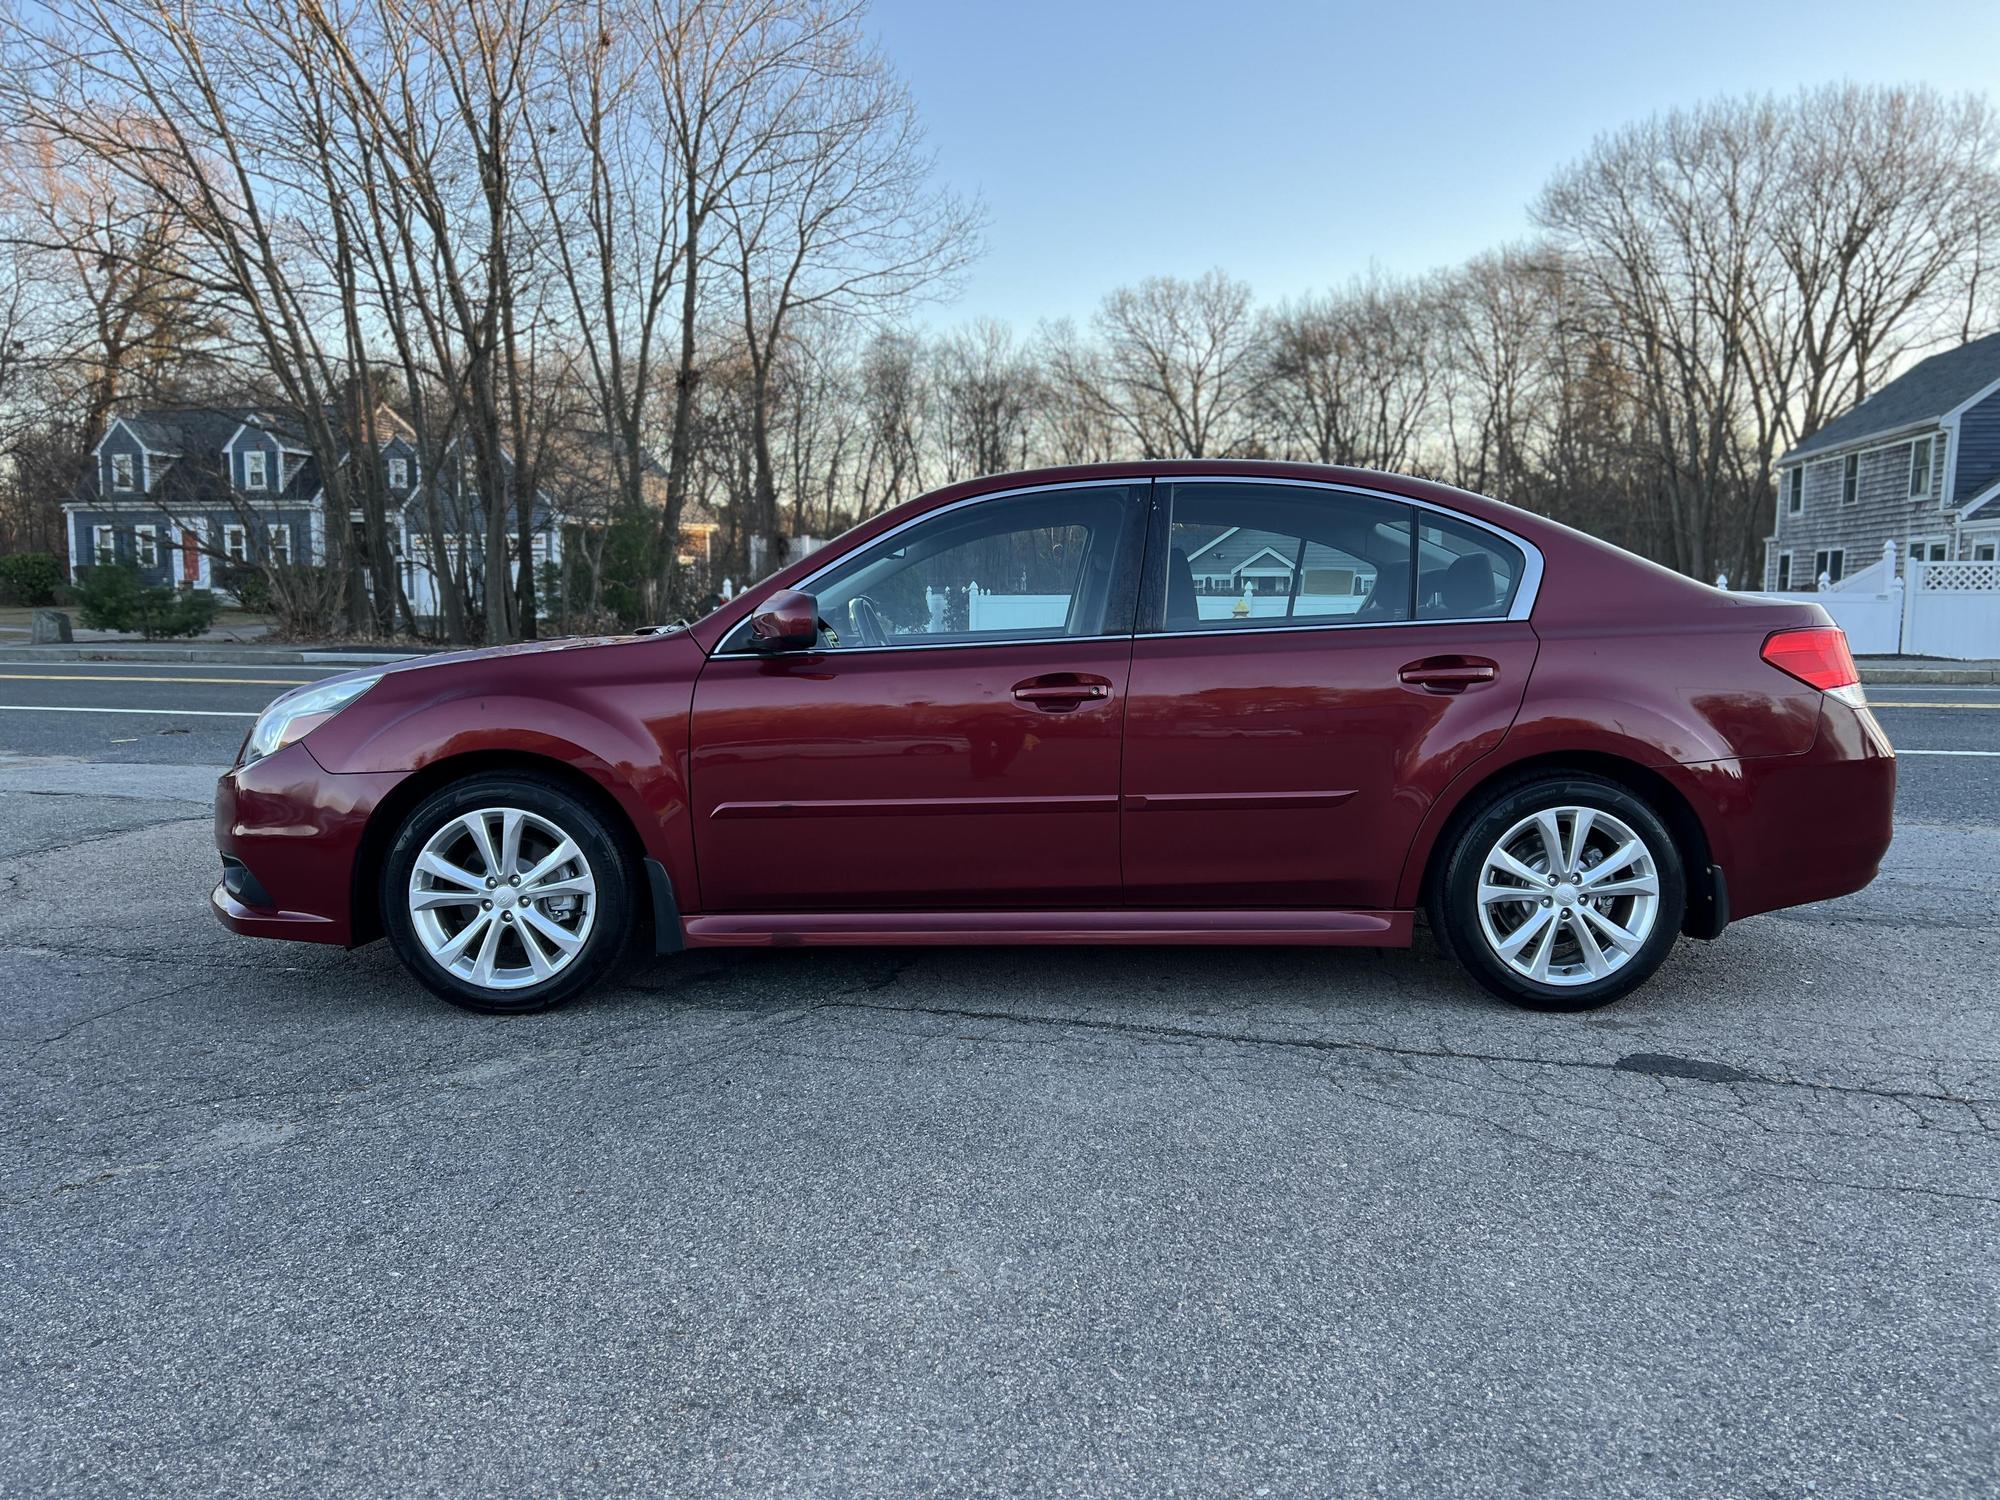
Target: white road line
(176,681)
(170,713)
(1900,750)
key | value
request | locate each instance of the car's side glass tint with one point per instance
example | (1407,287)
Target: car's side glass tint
(1022,567)
(1464,572)
(1255,556)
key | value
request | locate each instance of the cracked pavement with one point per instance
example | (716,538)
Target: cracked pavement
(1063,1221)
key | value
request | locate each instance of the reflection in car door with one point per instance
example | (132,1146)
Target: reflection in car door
(970,769)
(1270,765)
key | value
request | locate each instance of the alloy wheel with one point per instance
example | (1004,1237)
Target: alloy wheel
(1568,896)
(502,898)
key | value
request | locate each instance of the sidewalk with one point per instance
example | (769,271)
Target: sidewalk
(221,653)
(1933,669)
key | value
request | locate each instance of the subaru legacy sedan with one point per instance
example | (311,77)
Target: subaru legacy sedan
(1146,703)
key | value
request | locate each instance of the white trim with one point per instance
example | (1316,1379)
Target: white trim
(1991,491)
(1882,437)
(263,475)
(131,484)
(142,536)
(1784,570)
(133,433)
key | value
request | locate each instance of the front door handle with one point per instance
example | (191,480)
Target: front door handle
(1448,674)
(1060,692)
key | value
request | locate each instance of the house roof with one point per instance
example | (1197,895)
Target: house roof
(1924,393)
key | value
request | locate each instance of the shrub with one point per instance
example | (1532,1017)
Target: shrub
(250,586)
(30,578)
(112,596)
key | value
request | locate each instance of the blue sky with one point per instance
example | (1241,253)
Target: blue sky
(1295,144)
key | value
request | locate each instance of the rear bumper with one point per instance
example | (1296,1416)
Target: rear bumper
(1789,829)
(297,830)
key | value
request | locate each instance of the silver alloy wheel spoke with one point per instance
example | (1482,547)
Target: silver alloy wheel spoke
(533,904)
(1568,896)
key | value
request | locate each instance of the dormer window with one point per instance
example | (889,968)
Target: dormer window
(121,471)
(399,473)
(254,472)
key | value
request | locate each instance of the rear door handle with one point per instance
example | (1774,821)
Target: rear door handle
(1059,692)
(1448,674)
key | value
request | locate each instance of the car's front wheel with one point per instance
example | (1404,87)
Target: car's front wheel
(1561,893)
(506,893)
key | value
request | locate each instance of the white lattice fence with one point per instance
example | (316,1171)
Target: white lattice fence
(1960,577)
(1952,609)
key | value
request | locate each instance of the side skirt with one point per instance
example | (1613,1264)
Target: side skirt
(1333,929)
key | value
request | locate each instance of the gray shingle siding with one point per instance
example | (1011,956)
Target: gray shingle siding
(1883,509)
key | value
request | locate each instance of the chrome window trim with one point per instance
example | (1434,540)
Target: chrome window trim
(1532,566)
(730,645)
(1522,608)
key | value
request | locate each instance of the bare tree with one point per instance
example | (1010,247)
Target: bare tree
(1172,368)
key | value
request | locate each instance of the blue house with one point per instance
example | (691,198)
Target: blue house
(182,492)
(190,494)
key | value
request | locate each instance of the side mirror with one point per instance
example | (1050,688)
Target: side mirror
(787,621)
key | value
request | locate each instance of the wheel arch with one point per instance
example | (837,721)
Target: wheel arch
(389,814)
(1707,900)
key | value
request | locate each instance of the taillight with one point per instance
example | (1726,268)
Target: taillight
(1816,655)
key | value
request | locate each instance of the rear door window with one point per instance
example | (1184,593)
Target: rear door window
(1257,556)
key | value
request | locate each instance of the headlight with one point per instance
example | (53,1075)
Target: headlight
(295,717)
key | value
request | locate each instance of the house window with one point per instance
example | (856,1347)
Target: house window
(104,545)
(1983,549)
(235,544)
(279,536)
(121,471)
(146,546)
(1928,549)
(1785,567)
(1920,467)
(1795,491)
(399,473)
(1850,479)
(254,471)
(1830,563)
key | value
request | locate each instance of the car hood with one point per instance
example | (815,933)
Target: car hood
(493,653)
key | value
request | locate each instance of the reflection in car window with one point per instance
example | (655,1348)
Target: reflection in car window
(1023,567)
(1465,573)
(1260,556)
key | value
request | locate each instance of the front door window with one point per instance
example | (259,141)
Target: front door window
(1022,568)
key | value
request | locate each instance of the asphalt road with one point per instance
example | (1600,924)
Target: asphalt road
(1061,1222)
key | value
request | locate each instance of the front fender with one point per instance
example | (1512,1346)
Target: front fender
(618,715)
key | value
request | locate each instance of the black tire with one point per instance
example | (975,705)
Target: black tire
(1454,898)
(611,867)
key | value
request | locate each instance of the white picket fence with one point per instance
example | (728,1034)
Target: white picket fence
(1949,609)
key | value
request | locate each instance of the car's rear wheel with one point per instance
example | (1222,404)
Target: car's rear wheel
(507,893)
(1561,893)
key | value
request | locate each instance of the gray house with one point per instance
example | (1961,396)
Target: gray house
(1917,464)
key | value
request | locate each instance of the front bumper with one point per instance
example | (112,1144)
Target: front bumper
(297,830)
(1789,829)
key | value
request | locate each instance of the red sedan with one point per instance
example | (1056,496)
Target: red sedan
(1148,703)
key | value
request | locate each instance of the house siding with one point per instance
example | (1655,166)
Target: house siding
(1883,509)
(1978,449)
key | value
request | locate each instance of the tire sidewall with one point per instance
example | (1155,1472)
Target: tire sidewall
(610,924)
(1457,904)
